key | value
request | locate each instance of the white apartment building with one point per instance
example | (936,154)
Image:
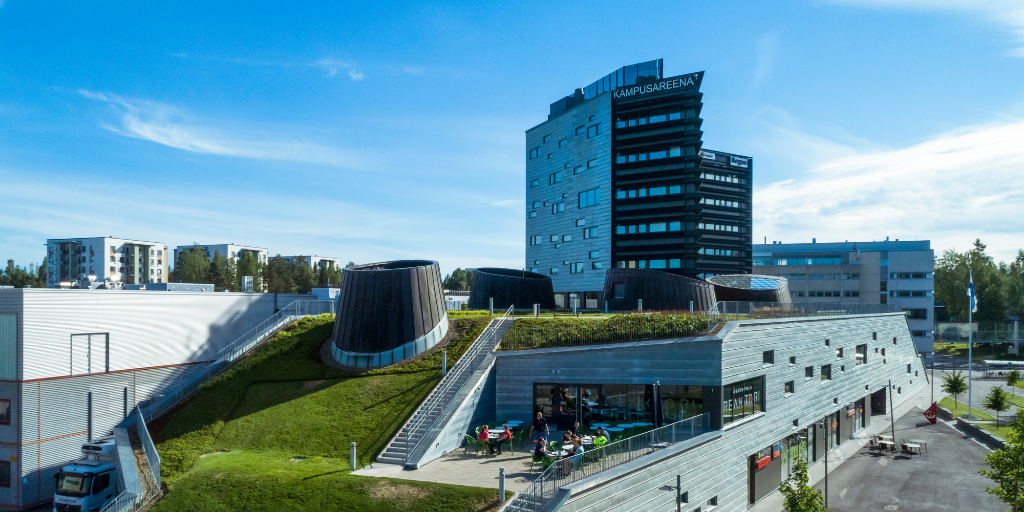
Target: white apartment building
(103,258)
(227,250)
(316,262)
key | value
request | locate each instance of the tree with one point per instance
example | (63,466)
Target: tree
(1012,377)
(1013,286)
(20,277)
(222,273)
(954,384)
(278,276)
(302,275)
(193,267)
(456,281)
(350,264)
(953,271)
(250,266)
(329,275)
(997,401)
(797,495)
(231,275)
(1006,464)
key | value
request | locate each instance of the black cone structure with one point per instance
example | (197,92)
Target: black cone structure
(751,288)
(388,312)
(509,287)
(660,291)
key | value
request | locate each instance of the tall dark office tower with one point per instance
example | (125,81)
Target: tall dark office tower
(617,176)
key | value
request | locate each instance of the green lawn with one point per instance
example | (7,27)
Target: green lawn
(959,408)
(232,444)
(979,353)
(530,333)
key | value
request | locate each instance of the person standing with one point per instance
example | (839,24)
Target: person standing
(539,427)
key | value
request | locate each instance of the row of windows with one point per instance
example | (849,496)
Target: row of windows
(827,294)
(727,178)
(654,227)
(643,156)
(645,192)
(591,131)
(591,232)
(820,276)
(719,227)
(671,263)
(798,261)
(574,268)
(720,202)
(656,117)
(905,293)
(589,198)
(910,275)
(719,252)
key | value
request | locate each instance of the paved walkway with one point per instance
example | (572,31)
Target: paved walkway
(461,468)
(879,424)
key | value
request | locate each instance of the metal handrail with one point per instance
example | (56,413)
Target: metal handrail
(724,311)
(572,469)
(436,400)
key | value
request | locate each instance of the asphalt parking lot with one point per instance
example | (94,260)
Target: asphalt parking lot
(943,479)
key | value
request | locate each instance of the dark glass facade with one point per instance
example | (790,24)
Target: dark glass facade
(564,404)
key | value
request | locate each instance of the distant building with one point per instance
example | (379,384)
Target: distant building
(106,258)
(316,262)
(859,273)
(172,287)
(227,250)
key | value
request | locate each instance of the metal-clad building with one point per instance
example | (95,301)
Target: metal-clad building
(74,362)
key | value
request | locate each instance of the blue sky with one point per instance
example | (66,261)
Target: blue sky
(373,131)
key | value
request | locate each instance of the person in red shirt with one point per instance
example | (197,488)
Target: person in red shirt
(504,437)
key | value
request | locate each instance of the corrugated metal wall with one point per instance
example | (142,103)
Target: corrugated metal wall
(8,346)
(146,329)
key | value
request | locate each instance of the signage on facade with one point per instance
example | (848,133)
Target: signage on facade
(707,155)
(659,86)
(777,451)
(738,161)
(763,461)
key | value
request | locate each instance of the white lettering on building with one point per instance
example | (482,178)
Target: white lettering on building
(636,90)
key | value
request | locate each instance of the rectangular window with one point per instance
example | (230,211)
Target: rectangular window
(916,314)
(555,178)
(809,372)
(563,143)
(5,412)
(908,369)
(558,207)
(658,191)
(674,189)
(620,230)
(792,359)
(566,238)
(531,215)
(768,357)
(591,163)
(534,183)
(656,264)
(580,130)
(535,240)
(657,227)
(547,138)
(674,226)
(826,372)
(581,222)
(597,265)
(5,473)
(575,268)
(536,204)
(789,387)
(839,352)
(554,270)
(578,169)
(590,232)
(589,198)
(594,130)
(555,238)
(862,354)
(673,263)
(619,290)
(595,254)
(742,399)
(534,153)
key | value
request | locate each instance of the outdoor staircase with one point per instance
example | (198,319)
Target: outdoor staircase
(427,414)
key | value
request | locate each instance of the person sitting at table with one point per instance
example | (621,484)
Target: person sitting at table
(603,433)
(504,437)
(567,438)
(541,450)
(575,429)
(483,436)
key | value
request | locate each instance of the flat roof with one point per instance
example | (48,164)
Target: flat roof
(884,245)
(79,239)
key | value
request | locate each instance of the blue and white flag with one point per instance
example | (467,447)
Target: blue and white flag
(970,294)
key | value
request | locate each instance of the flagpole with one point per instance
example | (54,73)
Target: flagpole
(970,344)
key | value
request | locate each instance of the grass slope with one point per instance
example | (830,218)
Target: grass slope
(959,408)
(273,432)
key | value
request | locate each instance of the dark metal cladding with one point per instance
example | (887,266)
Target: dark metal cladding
(751,288)
(386,305)
(660,291)
(509,287)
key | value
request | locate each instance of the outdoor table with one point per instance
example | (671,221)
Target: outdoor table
(615,429)
(642,424)
(595,425)
(923,444)
(880,437)
(514,423)
(914,446)
(625,425)
(889,445)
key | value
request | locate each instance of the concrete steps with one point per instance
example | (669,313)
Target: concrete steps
(397,450)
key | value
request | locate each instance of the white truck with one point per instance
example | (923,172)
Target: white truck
(89,484)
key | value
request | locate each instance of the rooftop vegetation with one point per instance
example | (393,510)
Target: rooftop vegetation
(528,333)
(273,432)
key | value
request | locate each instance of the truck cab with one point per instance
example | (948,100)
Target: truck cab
(89,484)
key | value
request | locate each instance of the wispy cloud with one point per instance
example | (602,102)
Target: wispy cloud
(334,66)
(951,189)
(767,54)
(507,202)
(170,126)
(1008,13)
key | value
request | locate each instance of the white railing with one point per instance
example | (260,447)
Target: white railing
(439,400)
(147,445)
(574,468)
(134,497)
(188,383)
